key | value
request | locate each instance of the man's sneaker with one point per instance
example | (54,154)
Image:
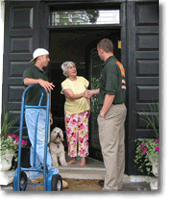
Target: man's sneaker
(37,180)
(64,184)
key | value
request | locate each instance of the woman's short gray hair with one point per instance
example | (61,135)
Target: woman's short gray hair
(66,65)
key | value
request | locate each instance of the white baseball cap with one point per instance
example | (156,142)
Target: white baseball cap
(39,52)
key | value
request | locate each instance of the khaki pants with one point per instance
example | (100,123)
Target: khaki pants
(111,135)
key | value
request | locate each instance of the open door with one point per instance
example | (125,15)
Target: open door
(96,66)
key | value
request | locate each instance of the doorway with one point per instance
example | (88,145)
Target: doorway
(79,46)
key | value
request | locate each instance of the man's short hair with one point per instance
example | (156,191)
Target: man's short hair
(34,61)
(105,44)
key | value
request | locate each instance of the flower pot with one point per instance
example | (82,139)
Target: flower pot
(154,166)
(155,170)
(5,165)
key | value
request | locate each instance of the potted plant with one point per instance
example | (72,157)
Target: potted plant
(147,153)
(8,146)
(147,150)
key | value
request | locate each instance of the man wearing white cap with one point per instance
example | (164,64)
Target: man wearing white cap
(40,60)
(36,75)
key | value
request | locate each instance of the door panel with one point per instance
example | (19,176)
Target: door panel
(21,39)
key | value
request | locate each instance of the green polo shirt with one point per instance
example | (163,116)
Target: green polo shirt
(33,95)
(113,81)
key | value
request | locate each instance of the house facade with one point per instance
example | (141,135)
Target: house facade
(70,30)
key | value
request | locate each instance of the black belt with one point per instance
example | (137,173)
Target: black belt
(112,104)
(116,103)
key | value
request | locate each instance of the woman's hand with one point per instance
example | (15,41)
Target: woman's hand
(88,94)
(69,94)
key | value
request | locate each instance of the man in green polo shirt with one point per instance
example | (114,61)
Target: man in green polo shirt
(36,75)
(34,93)
(112,94)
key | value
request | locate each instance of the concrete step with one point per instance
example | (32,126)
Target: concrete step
(94,170)
(89,173)
(82,174)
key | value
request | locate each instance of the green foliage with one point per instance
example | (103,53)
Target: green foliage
(148,149)
(145,151)
(9,141)
(7,124)
(152,120)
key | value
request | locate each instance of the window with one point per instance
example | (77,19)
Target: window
(84,17)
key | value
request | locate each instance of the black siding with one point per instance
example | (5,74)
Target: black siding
(143,70)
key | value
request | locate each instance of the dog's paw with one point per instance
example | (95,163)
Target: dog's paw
(56,165)
(64,164)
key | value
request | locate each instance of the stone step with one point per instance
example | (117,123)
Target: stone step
(82,173)
(89,173)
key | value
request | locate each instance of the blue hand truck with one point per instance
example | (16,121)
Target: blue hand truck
(51,181)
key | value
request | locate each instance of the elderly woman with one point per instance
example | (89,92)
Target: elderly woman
(76,113)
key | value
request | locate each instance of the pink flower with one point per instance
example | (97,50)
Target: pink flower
(74,141)
(156,140)
(86,143)
(68,130)
(86,135)
(82,114)
(16,140)
(14,136)
(82,151)
(8,135)
(80,139)
(157,149)
(73,134)
(144,151)
(87,115)
(86,154)
(24,142)
(81,127)
(72,153)
(80,121)
(67,120)
(143,145)
(73,122)
(69,145)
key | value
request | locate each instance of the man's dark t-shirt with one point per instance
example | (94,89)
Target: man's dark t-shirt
(33,95)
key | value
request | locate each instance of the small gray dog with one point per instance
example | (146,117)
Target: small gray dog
(56,147)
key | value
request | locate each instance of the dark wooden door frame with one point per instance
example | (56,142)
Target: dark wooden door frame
(121,26)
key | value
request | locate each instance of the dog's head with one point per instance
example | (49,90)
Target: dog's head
(57,135)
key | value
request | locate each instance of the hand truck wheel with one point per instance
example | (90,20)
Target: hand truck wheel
(56,183)
(23,181)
